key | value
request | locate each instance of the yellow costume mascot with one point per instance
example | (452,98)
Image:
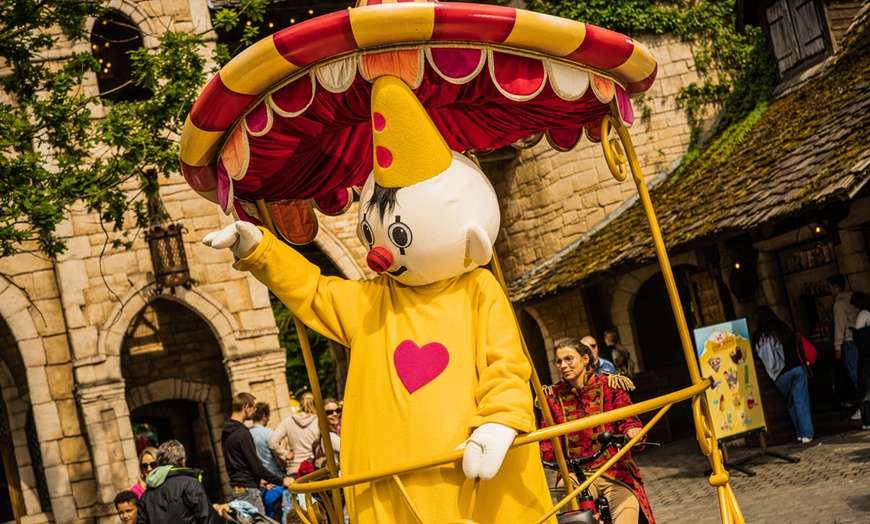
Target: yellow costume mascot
(436,360)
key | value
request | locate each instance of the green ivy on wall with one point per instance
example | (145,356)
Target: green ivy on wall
(735,69)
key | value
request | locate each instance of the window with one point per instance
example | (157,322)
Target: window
(113,37)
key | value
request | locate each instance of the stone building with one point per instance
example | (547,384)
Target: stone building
(89,351)
(769,225)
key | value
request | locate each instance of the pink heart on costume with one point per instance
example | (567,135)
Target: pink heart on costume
(418,366)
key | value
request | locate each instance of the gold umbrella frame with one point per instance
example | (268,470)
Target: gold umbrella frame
(621,158)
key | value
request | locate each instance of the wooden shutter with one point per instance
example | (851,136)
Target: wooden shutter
(796,32)
(782,37)
(808,28)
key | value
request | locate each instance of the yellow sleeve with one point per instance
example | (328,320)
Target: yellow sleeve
(334,307)
(503,392)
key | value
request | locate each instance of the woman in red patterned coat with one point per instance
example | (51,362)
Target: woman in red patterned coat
(582,393)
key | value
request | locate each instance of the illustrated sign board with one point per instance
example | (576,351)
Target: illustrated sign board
(725,355)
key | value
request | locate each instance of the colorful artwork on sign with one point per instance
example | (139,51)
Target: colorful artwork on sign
(725,356)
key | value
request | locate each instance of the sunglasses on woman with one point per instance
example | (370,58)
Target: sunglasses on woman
(331,411)
(146,465)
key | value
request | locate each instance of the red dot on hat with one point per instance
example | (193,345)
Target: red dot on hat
(384,157)
(379,122)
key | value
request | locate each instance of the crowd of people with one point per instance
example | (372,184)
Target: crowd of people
(775,342)
(261,462)
(851,317)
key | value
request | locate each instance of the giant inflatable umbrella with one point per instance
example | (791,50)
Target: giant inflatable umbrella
(285,128)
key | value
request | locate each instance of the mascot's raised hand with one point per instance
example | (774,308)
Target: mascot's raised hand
(239,237)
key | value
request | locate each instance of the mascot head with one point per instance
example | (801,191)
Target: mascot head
(426,213)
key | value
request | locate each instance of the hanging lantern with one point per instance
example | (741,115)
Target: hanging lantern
(168,257)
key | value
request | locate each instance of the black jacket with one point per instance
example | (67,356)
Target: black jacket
(179,498)
(240,455)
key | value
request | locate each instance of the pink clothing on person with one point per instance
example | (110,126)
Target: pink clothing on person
(138,490)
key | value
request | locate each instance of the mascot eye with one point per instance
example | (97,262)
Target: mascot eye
(400,234)
(367,233)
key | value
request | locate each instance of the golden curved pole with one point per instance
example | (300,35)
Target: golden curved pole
(616,159)
(536,385)
(311,369)
(407,497)
(307,484)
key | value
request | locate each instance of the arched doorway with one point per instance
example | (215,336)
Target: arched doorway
(176,384)
(535,343)
(16,431)
(658,340)
(11,500)
(187,422)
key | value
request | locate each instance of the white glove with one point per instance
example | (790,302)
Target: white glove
(242,238)
(485,450)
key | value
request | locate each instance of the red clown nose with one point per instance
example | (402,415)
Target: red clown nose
(379,259)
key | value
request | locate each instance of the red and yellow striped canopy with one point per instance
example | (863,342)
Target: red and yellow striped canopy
(288,122)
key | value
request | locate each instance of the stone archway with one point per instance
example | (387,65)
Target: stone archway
(172,364)
(245,358)
(622,305)
(33,424)
(658,339)
(203,404)
(652,380)
(12,503)
(537,339)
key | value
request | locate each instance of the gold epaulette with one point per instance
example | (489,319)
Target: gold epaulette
(620,381)
(546,390)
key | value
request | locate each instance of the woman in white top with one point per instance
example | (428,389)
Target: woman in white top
(301,431)
(861,336)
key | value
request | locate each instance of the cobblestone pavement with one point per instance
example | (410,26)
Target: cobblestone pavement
(830,484)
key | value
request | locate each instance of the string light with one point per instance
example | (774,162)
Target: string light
(292,20)
(311,11)
(271,25)
(737,265)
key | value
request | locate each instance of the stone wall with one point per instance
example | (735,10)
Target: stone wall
(549,199)
(560,317)
(66,336)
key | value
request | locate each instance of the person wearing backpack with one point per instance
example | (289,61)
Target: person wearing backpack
(776,344)
(860,301)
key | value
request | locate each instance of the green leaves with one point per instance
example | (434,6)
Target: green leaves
(55,153)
